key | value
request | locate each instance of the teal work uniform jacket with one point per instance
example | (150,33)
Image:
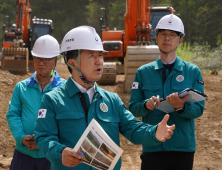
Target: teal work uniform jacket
(149,80)
(23,110)
(65,122)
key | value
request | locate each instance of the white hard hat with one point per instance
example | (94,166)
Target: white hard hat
(171,22)
(46,47)
(82,38)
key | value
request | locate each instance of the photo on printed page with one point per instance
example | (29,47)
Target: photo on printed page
(97,149)
(94,139)
(103,158)
(90,152)
(85,156)
(89,147)
(107,151)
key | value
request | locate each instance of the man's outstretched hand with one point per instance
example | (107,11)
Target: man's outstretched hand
(164,131)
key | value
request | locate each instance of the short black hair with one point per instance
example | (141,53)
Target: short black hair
(73,54)
(178,33)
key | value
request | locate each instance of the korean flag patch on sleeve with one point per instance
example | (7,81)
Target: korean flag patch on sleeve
(135,85)
(42,113)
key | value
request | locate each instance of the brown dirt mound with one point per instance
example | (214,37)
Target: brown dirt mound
(208,127)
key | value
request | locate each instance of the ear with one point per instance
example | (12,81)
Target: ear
(73,63)
(180,41)
(156,40)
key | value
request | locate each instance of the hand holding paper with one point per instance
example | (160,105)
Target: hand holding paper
(176,101)
(97,149)
(189,95)
(70,158)
(164,131)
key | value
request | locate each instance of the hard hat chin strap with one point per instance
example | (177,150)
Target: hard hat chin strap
(167,52)
(79,71)
(53,71)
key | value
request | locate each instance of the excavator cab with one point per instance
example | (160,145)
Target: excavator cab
(40,27)
(156,13)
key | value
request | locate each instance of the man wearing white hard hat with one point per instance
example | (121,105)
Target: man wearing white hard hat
(25,102)
(164,79)
(71,107)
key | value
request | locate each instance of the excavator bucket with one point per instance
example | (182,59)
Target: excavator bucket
(16,60)
(137,56)
(109,74)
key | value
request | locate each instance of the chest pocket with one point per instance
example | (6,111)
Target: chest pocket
(70,115)
(151,90)
(71,121)
(110,122)
(107,118)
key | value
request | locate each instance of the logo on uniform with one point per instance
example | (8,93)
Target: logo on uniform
(103,107)
(180,78)
(42,113)
(135,85)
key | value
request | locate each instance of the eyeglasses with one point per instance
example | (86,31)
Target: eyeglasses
(171,36)
(44,60)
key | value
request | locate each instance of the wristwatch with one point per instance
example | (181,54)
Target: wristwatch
(179,109)
(63,149)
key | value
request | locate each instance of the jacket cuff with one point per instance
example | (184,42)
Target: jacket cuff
(154,134)
(59,154)
(145,105)
(20,138)
(150,138)
(183,110)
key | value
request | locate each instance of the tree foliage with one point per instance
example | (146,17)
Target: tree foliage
(201,18)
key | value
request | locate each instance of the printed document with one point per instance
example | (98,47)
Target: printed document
(97,148)
(194,96)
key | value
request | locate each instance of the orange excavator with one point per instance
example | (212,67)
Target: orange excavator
(19,40)
(135,45)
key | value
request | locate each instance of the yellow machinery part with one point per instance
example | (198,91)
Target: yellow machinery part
(137,56)
(15,60)
(109,74)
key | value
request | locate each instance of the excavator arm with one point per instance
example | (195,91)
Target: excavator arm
(16,51)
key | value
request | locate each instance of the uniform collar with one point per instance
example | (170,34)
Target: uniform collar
(99,91)
(51,79)
(171,62)
(72,89)
(56,81)
(83,89)
(177,66)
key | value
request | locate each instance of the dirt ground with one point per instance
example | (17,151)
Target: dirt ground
(208,127)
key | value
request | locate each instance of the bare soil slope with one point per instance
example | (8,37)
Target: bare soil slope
(208,127)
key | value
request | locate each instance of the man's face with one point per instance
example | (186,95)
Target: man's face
(44,66)
(91,65)
(167,40)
